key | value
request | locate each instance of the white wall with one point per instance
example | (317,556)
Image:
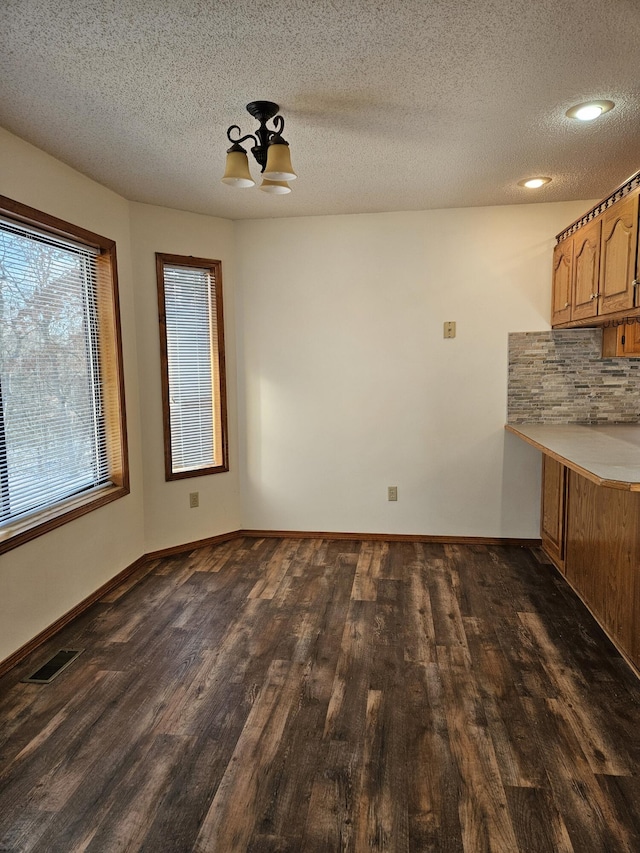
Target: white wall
(43,579)
(347,385)
(168,519)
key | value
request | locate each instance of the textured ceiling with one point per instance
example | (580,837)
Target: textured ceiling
(388,104)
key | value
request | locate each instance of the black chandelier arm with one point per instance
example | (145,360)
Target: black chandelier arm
(279,126)
(265,135)
(242,139)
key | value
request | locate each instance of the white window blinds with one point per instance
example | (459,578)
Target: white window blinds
(193,368)
(52,434)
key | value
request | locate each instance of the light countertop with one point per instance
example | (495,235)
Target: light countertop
(608,455)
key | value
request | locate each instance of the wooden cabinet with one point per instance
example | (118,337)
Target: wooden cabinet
(597,264)
(586,271)
(622,340)
(592,534)
(618,251)
(552,513)
(562,271)
(603,557)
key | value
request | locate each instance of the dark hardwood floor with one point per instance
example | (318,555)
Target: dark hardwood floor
(318,695)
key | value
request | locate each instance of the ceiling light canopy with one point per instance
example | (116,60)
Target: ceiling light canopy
(270,150)
(534,183)
(590,110)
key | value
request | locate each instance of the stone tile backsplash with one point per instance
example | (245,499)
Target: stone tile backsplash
(560,377)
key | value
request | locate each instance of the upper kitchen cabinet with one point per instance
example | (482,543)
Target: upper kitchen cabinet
(586,271)
(596,263)
(618,255)
(622,340)
(562,273)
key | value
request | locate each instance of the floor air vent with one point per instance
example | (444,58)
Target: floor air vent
(54,667)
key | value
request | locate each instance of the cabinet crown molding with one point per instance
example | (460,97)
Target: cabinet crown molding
(624,189)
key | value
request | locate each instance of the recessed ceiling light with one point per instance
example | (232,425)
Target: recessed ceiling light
(590,110)
(533,183)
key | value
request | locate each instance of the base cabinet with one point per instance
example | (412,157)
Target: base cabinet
(601,550)
(553,509)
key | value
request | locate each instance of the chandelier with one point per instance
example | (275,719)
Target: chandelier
(270,150)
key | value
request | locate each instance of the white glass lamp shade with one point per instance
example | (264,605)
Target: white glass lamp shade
(237,173)
(279,166)
(275,187)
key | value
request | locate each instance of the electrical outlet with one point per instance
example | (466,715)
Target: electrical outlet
(194,499)
(449,329)
(392,493)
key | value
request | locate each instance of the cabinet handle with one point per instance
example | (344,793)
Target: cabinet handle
(635,283)
(594,295)
(566,304)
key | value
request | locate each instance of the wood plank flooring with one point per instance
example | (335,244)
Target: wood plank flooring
(316,695)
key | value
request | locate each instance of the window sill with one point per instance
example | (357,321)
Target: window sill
(195,472)
(23,530)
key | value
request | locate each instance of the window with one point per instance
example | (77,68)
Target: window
(193,379)
(62,420)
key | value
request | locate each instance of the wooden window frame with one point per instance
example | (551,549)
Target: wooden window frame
(218,366)
(35,524)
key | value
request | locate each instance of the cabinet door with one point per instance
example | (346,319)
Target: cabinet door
(602,554)
(562,266)
(630,338)
(621,341)
(618,255)
(552,515)
(586,270)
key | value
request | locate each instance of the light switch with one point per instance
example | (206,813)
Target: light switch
(450,329)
